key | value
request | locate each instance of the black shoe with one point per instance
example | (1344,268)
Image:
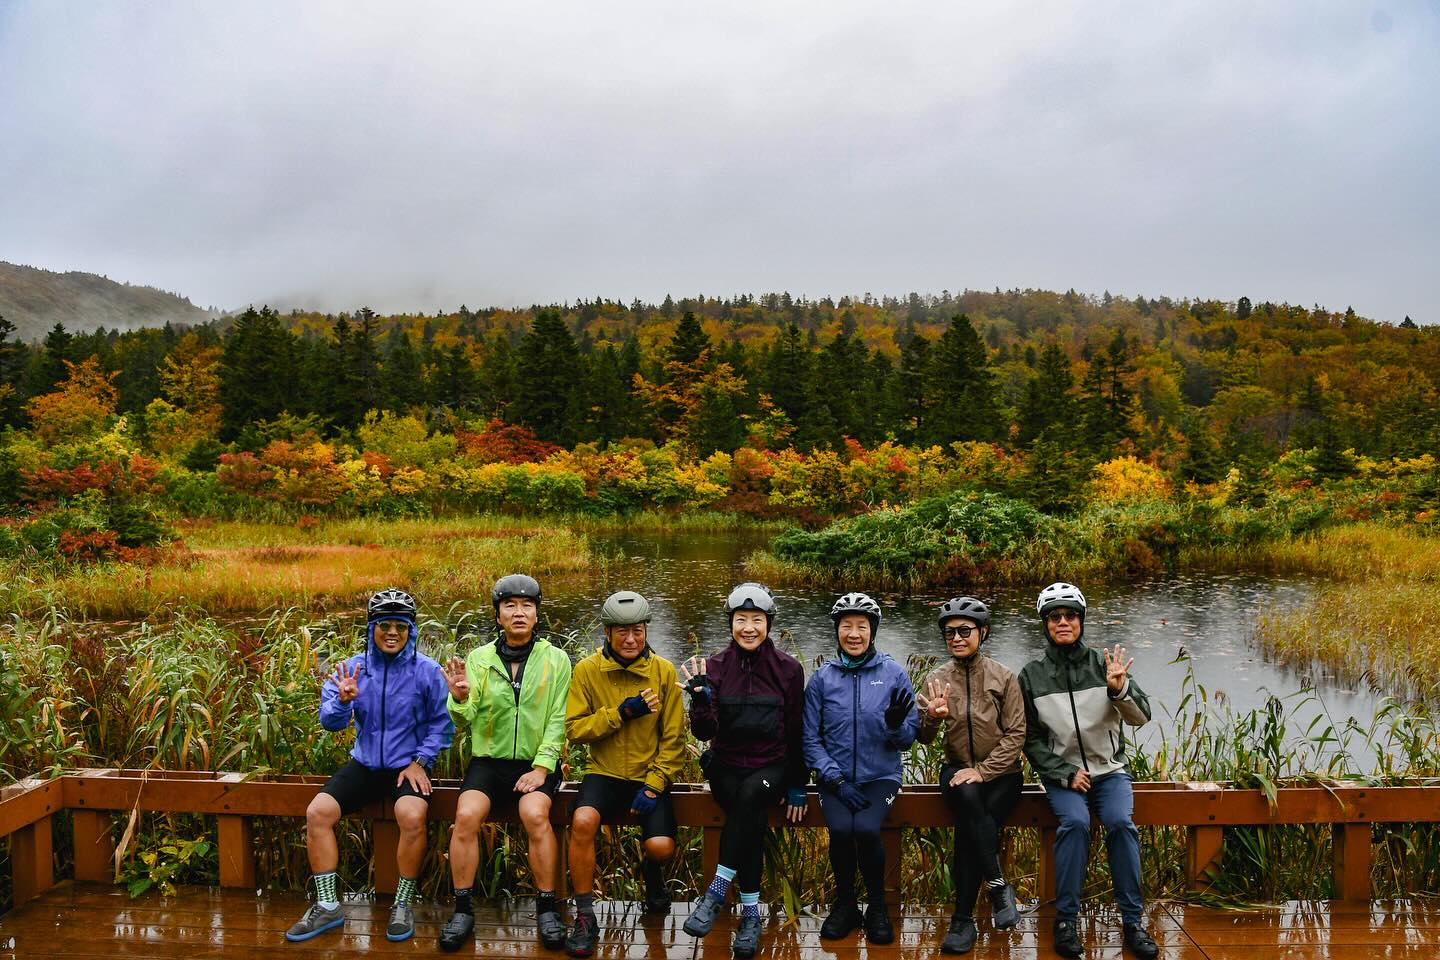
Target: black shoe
(1003,912)
(581,942)
(961,937)
(747,936)
(552,929)
(657,898)
(1139,942)
(877,924)
(702,918)
(844,918)
(456,930)
(1067,939)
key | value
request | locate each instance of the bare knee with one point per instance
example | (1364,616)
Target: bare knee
(659,849)
(586,823)
(322,813)
(535,816)
(469,814)
(410,817)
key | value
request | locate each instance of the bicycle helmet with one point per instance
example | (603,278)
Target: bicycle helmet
(751,596)
(1061,595)
(515,585)
(391,604)
(624,609)
(967,607)
(857,603)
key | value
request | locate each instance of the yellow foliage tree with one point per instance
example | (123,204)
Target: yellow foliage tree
(80,405)
(1126,478)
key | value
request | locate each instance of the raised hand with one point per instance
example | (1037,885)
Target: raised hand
(347,681)
(935,701)
(902,704)
(693,679)
(456,679)
(1117,668)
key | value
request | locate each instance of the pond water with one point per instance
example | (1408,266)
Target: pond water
(1209,619)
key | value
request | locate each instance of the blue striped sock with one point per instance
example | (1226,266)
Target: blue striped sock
(720,886)
(750,904)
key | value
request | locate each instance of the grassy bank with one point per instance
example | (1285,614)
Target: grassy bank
(237,568)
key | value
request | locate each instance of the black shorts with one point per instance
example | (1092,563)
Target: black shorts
(354,785)
(496,779)
(612,798)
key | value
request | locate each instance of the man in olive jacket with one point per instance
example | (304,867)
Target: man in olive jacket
(625,704)
(1076,705)
(510,695)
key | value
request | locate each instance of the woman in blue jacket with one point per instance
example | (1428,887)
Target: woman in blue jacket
(396,698)
(859,717)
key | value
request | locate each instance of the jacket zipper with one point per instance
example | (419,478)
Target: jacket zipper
(969,719)
(1070,690)
(384,685)
(855,725)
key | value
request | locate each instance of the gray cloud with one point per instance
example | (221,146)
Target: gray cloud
(419,155)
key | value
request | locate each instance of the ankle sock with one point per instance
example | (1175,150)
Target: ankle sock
(462,901)
(405,890)
(750,904)
(585,903)
(996,884)
(325,890)
(545,901)
(720,886)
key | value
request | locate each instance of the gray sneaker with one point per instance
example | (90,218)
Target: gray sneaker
(315,922)
(402,923)
(747,937)
(702,918)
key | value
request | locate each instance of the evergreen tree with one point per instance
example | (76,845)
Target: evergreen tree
(550,361)
(915,390)
(499,377)
(47,368)
(13,358)
(1203,462)
(404,385)
(967,405)
(364,364)
(257,380)
(787,375)
(690,341)
(1047,402)
(606,394)
(1106,403)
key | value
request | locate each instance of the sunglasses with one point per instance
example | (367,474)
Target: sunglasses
(1061,616)
(962,632)
(391,626)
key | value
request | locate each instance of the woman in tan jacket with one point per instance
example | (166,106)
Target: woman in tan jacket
(977,701)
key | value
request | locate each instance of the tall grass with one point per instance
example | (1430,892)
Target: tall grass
(199,694)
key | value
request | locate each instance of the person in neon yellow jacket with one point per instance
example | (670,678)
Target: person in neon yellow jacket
(510,694)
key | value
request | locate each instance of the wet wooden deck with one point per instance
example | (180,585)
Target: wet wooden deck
(94,921)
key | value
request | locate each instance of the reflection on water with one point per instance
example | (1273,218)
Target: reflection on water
(1209,618)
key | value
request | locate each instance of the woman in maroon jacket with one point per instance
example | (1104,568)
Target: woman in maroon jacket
(748,700)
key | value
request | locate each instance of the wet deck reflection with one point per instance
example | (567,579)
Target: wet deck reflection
(89,921)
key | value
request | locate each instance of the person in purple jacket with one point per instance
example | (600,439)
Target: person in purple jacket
(396,697)
(748,701)
(859,717)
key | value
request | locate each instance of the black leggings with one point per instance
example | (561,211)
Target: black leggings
(979,809)
(746,796)
(855,839)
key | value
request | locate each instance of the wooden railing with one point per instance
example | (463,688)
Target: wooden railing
(89,797)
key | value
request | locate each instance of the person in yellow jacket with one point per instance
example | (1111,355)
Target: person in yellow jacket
(511,695)
(625,703)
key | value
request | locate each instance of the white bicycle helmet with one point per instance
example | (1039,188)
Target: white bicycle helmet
(1060,595)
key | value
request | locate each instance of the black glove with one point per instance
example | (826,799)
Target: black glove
(632,707)
(902,703)
(851,796)
(699,687)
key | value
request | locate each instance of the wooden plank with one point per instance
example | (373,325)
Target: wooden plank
(1045,865)
(1352,852)
(1202,855)
(32,858)
(94,846)
(237,852)
(386,836)
(24,803)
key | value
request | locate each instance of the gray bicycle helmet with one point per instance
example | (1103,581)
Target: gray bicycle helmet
(624,609)
(751,596)
(391,604)
(967,607)
(515,585)
(857,603)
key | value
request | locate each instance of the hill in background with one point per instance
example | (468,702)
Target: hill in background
(35,300)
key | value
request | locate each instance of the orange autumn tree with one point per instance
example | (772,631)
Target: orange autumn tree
(190,410)
(79,406)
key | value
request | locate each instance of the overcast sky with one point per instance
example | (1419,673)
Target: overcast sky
(414,156)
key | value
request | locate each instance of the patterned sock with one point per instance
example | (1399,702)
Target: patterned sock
(720,886)
(325,890)
(995,884)
(462,901)
(406,890)
(750,904)
(545,901)
(585,903)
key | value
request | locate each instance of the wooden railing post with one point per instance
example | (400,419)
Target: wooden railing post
(1351,842)
(386,837)
(237,852)
(1045,865)
(32,857)
(1202,855)
(890,839)
(94,846)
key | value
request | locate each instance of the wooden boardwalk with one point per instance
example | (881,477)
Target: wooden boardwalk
(84,921)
